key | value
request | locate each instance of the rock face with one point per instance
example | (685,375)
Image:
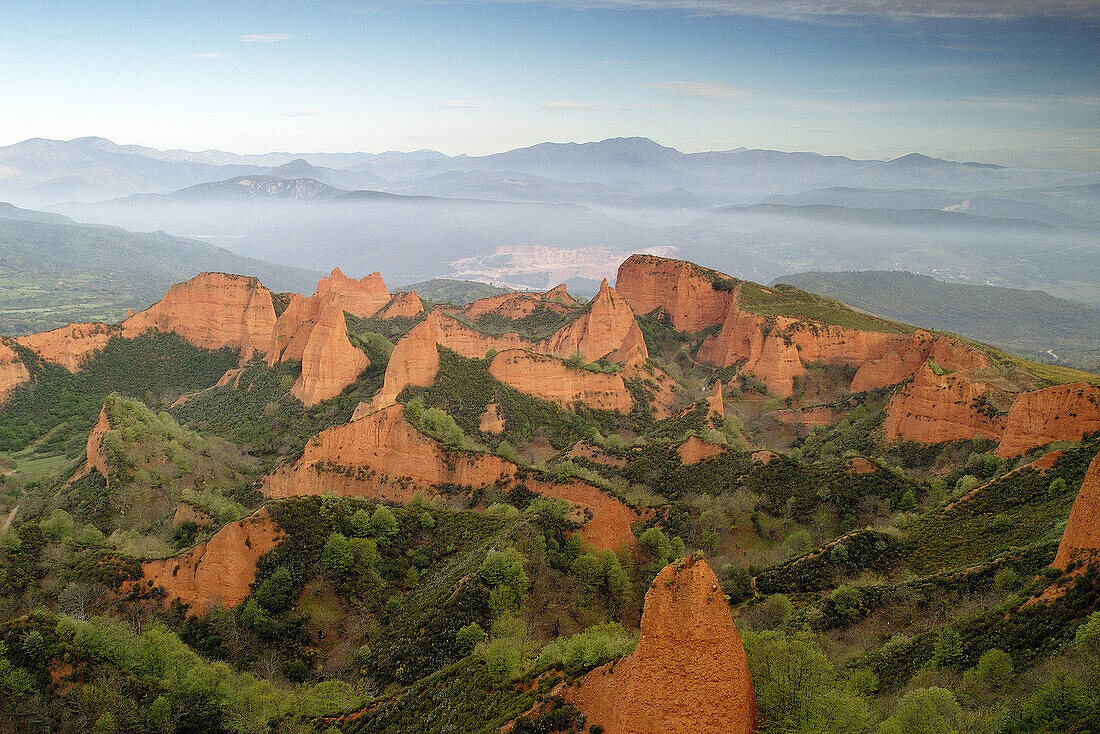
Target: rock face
(360,297)
(519,305)
(96,453)
(689,674)
(696,449)
(680,289)
(313,331)
(1059,413)
(1081,539)
(381,455)
(551,379)
(406,305)
(219,571)
(69,345)
(935,408)
(560,294)
(607,328)
(491,420)
(716,406)
(12,370)
(212,310)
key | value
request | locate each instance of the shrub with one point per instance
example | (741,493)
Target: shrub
(337,554)
(469,637)
(382,523)
(925,711)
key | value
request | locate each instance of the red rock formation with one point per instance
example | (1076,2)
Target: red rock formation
(740,339)
(381,455)
(69,345)
(313,331)
(212,310)
(696,449)
(819,415)
(12,370)
(219,571)
(362,297)
(935,408)
(681,289)
(548,378)
(519,305)
(1081,539)
(560,294)
(1059,413)
(491,421)
(689,674)
(607,328)
(716,406)
(95,451)
(778,365)
(858,465)
(407,305)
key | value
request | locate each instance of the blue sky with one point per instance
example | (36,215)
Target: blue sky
(1005,81)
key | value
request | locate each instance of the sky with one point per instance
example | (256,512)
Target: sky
(1002,81)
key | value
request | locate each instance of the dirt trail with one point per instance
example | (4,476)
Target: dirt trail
(8,520)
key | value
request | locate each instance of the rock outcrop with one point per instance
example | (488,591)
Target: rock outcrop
(551,379)
(695,449)
(560,294)
(716,405)
(69,345)
(381,455)
(406,305)
(935,408)
(606,328)
(362,298)
(491,421)
(212,310)
(219,571)
(1081,538)
(689,674)
(682,290)
(313,331)
(1059,413)
(12,370)
(94,450)
(518,305)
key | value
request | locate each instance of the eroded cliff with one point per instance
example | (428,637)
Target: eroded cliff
(362,298)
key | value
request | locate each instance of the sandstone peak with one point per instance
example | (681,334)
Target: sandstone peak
(683,290)
(69,345)
(212,310)
(695,449)
(12,370)
(407,305)
(716,406)
(1081,539)
(1059,413)
(689,674)
(606,328)
(313,331)
(363,297)
(560,293)
(95,451)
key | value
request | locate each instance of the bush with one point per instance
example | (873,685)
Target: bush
(337,555)
(382,523)
(469,637)
(588,649)
(925,711)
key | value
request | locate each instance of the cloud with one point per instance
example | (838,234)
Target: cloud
(212,55)
(702,89)
(304,112)
(264,37)
(464,104)
(897,9)
(584,106)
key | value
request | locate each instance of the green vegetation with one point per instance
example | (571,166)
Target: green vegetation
(785,300)
(458,292)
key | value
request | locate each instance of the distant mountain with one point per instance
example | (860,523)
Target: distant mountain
(1029,323)
(54,271)
(245,188)
(908,218)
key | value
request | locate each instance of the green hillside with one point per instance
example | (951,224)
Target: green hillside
(1028,323)
(54,271)
(458,292)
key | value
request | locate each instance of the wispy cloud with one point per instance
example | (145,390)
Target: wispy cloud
(702,89)
(264,37)
(464,104)
(582,106)
(211,55)
(304,112)
(899,9)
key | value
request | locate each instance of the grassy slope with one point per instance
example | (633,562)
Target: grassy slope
(54,271)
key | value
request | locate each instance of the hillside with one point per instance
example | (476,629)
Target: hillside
(56,271)
(458,292)
(693,504)
(1029,323)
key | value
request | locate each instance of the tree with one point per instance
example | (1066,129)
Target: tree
(925,711)
(468,638)
(276,593)
(360,523)
(382,523)
(337,554)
